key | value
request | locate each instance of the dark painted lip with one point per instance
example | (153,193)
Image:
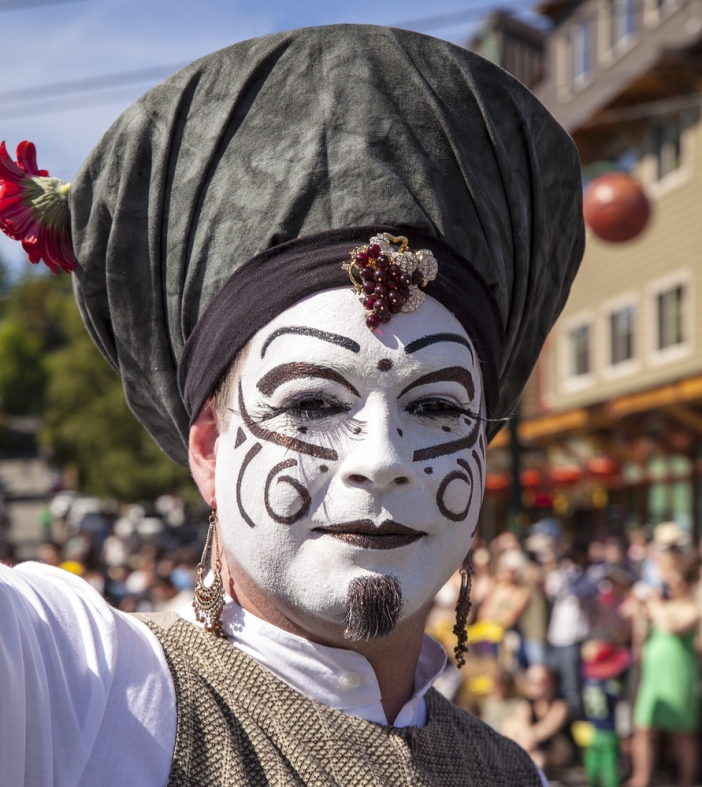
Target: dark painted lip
(367,535)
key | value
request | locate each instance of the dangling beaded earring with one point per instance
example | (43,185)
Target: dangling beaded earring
(463,606)
(209,601)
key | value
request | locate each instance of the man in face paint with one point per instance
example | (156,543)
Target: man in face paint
(347,469)
(207,231)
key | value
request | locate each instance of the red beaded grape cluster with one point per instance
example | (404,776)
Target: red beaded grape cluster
(385,286)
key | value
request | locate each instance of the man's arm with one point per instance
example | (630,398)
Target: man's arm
(80,685)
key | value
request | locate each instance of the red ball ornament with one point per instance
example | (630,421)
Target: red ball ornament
(615,207)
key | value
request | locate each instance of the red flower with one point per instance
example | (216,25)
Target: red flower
(34,209)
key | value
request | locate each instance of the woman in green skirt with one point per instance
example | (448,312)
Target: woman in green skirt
(667,699)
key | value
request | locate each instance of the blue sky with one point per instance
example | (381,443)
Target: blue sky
(89,38)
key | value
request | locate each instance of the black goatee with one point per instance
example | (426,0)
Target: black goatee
(373,608)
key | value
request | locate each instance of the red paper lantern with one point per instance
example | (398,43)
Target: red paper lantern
(497,482)
(565,475)
(615,207)
(602,466)
(530,478)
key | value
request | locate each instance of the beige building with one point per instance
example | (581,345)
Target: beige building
(611,427)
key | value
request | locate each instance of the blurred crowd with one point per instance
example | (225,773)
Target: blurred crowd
(142,559)
(586,654)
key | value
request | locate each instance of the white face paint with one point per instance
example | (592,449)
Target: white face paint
(335,426)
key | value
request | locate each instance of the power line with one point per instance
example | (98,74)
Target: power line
(455,18)
(665,106)
(55,106)
(21,5)
(56,90)
(104,89)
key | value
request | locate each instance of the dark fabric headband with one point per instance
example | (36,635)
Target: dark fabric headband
(281,276)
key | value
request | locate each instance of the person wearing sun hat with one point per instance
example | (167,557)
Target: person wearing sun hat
(604,664)
(324,263)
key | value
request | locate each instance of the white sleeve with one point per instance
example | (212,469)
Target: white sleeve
(86,696)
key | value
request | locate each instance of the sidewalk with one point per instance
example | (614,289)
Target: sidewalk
(27,483)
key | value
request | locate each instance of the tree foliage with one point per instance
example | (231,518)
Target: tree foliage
(56,371)
(22,370)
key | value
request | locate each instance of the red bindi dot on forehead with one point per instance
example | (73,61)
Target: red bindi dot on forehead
(384,364)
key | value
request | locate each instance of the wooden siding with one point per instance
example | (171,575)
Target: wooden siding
(671,245)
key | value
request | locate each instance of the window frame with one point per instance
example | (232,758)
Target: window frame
(571,381)
(683,349)
(609,309)
(583,78)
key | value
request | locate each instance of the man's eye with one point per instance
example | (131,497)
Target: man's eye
(314,407)
(429,408)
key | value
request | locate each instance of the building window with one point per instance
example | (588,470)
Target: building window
(621,331)
(671,324)
(580,51)
(665,7)
(668,148)
(623,21)
(579,339)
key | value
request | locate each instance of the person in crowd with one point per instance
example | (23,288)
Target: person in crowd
(50,552)
(533,622)
(604,665)
(570,590)
(539,721)
(637,550)
(509,594)
(609,620)
(482,580)
(324,262)
(502,701)
(667,698)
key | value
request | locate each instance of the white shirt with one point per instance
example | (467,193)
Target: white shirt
(81,683)
(568,624)
(338,678)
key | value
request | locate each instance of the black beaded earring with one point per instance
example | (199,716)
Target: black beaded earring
(463,606)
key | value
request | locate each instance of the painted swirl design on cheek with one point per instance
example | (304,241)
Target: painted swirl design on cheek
(478,465)
(296,485)
(252,452)
(292,443)
(455,475)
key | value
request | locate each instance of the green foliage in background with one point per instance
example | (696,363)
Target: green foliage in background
(22,370)
(50,367)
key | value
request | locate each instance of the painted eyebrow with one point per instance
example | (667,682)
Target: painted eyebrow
(292,371)
(332,338)
(435,338)
(455,374)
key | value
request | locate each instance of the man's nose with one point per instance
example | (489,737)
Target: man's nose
(378,462)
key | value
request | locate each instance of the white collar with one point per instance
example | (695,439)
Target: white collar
(338,678)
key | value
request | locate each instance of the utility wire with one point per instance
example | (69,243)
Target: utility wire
(21,5)
(665,106)
(125,95)
(456,18)
(89,84)
(45,99)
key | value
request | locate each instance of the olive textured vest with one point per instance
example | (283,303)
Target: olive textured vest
(240,725)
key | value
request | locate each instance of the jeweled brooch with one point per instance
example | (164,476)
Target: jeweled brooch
(387,277)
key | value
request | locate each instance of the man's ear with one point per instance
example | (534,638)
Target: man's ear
(202,452)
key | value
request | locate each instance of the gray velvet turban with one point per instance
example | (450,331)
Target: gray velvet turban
(255,157)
